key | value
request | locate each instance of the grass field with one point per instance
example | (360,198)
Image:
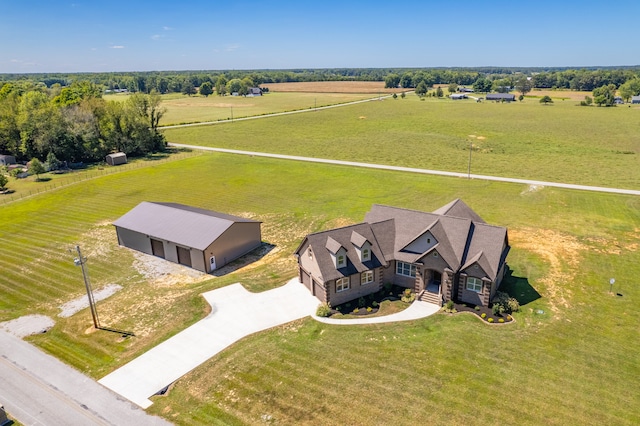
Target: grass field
(560,142)
(194,109)
(574,364)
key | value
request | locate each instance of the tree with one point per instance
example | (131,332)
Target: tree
(453,87)
(36,168)
(546,99)
(188,88)
(221,85)
(206,89)
(402,95)
(391,81)
(604,95)
(422,89)
(234,85)
(502,85)
(482,85)
(439,92)
(629,88)
(395,96)
(52,162)
(3,181)
(521,97)
(524,85)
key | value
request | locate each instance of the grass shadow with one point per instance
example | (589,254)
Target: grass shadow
(249,258)
(519,288)
(43,179)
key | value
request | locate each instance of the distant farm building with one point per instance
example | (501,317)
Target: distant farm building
(501,97)
(458,96)
(7,160)
(618,100)
(116,159)
(465,90)
(635,100)
(254,91)
(201,239)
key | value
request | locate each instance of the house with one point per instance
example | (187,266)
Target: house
(254,91)
(465,89)
(501,97)
(116,159)
(456,96)
(201,239)
(618,100)
(635,99)
(450,254)
(7,160)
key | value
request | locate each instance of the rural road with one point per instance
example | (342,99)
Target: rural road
(415,170)
(37,389)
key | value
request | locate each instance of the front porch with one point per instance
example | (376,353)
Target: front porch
(431,292)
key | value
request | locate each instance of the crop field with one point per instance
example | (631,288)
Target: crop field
(560,142)
(181,109)
(569,358)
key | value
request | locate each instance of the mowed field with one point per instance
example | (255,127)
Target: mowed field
(569,358)
(560,142)
(371,87)
(573,363)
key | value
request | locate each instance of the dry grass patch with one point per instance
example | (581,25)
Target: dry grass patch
(333,87)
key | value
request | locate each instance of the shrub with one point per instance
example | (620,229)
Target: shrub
(387,286)
(324,310)
(477,308)
(448,306)
(509,304)
(497,309)
(375,304)
(514,305)
(369,309)
(356,310)
(362,302)
(408,296)
(490,320)
(483,315)
(509,318)
(501,320)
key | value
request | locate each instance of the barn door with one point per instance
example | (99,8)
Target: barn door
(184,256)
(157,248)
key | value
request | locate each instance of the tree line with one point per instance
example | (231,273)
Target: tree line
(74,123)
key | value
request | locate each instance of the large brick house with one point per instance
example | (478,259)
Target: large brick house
(450,254)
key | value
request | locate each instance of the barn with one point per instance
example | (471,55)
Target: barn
(201,239)
(116,159)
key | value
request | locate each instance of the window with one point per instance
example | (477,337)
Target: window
(366,254)
(310,253)
(341,261)
(342,284)
(366,277)
(435,254)
(474,284)
(406,269)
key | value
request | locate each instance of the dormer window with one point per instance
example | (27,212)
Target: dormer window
(366,254)
(341,261)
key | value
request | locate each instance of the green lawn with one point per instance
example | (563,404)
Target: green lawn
(560,142)
(193,109)
(574,364)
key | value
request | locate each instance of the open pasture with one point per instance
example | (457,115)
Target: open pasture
(371,87)
(573,363)
(560,142)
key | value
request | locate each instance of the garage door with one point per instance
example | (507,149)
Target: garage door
(184,257)
(157,248)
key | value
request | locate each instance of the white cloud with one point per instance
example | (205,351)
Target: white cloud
(167,28)
(117,47)
(156,37)
(232,47)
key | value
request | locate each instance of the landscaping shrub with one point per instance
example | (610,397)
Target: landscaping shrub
(483,315)
(362,302)
(408,296)
(497,309)
(477,308)
(324,310)
(507,303)
(387,286)
(375,304)
(369,309)
(490,320)
(356,310)
(448,306)
(501,320)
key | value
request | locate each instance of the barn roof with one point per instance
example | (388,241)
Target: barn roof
(180,224)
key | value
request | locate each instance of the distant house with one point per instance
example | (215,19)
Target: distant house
(635,99)
(254,91)
(465,89)
(501,97)
(456,96)
(7,160)
(201,239)
(450,254)
(116,158)
(618,100)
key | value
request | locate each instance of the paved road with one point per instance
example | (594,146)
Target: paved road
(415,170)
(37,389)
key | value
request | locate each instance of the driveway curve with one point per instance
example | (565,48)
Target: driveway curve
(235,314)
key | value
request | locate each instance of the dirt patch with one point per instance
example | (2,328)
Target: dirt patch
(28,325)
(162,273)
(531,189)
(82,302)
(562,253)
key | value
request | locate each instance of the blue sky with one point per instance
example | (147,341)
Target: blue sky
(140,35)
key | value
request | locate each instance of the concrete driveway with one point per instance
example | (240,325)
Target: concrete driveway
(235,313)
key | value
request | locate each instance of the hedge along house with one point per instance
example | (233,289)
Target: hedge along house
(450,254)
(201,239)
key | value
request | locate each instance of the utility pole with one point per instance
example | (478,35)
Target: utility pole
(469,169)
(80,261)
(232,114)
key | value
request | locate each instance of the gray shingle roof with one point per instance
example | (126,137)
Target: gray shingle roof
(463,238)
(183,225)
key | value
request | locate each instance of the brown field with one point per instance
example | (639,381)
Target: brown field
(559,94)
(332,87)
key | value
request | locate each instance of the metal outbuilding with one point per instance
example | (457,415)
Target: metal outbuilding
(116,159)
(7,160)
(201,239)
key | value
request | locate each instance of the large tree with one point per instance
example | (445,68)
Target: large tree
(206,89)
(36,168)
(524,85)
(421,89)
(391,81)
(604,95)
(221,85)
(629,89)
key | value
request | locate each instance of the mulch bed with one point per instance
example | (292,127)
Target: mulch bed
(479,310)
(394,293)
